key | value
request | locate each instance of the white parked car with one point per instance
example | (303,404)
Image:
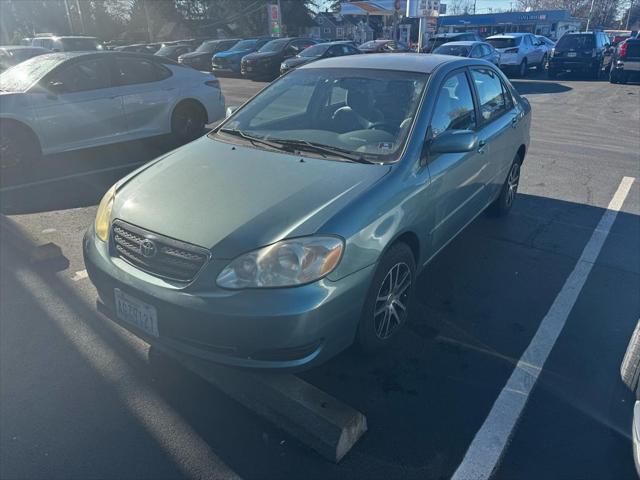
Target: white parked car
(67,101)
(519,51)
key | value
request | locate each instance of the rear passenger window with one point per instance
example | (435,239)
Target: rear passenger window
(139,70)
(454,107)
(490,94)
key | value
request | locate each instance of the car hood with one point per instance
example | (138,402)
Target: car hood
(262,55)
(234,198)
(234,53)
(195,55)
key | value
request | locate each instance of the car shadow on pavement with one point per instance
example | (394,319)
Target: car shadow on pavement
(78,178)
(532,87)
(476,308)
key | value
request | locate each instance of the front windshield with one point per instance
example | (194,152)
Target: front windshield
(435,42)
(25,74)
(78,44)
(207,47)
(168,50)
(457,50)
(314,51)
(364,112)
(370,45)
(274,45)
(244,45)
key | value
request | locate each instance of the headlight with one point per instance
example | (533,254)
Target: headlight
(283,264)
(103,216)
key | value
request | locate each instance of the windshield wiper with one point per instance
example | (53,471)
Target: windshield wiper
(321,148)
(251,138)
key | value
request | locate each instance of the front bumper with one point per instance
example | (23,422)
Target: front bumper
(259,69)
(573,64)
(283,328)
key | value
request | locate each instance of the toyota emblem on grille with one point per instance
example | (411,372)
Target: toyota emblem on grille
(148,248)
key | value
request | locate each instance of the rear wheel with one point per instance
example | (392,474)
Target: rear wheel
(595,74)
(543,62)
(386,306)
(552,73)
(614,76)
(630,368)
(19,148)
(502,205)
(187,122)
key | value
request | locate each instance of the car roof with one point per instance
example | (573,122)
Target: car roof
(66,36)
(510,35)
(451,34)
(20,47)
(410,62)
(466,43)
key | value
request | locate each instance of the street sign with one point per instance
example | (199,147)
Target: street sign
(274,20)
(423,8)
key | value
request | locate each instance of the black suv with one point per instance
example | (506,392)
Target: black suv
(626,61)
(588,52)
(265,63)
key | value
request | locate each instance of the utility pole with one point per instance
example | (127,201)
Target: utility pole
(589,17)
(80,16)
(146,16)
(474,6)
(626,25)
(280,19)
(66,7)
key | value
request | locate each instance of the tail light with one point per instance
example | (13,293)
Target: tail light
(511,50)
(623,49)
(213,83)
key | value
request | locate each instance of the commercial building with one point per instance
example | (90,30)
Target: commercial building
(550,23)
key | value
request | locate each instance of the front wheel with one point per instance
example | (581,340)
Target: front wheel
(543,62)
(386,306)
(187,122)
(503,204)
(552,74)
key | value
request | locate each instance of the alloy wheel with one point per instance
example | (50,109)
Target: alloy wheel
(391,302)
(512,183)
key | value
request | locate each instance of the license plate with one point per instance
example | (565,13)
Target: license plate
(136,312)
(571,54)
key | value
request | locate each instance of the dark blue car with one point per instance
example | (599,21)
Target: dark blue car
(229,61)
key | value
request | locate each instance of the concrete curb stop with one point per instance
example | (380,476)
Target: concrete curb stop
(33,248)
(312,416)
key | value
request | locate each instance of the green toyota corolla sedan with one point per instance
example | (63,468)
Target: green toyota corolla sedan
(298,226)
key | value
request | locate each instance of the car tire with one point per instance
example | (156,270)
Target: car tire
(523,68)
(552,74)
(543,63)
(188,122)
(19,147)
(387,304)
(630,368)
(595,74)
(503,204)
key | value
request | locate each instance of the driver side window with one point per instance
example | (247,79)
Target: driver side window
(454,108)
(81,76)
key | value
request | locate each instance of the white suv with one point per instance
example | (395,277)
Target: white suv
(519,51)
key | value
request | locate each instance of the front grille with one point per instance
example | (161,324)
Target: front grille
(156,254)
(220,62)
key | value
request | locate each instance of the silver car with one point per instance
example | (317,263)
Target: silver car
(470,49)
(519,52)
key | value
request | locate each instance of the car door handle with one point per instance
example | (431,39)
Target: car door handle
(514,122)
(482,147)
(169,89)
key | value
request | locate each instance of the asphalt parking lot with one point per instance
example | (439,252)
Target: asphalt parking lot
(79,398)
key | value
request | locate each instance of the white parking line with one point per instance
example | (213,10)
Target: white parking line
(488,445)
(68,177)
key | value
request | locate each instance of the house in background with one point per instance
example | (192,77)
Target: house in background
(334,26)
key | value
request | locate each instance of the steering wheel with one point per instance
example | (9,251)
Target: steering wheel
(377,125)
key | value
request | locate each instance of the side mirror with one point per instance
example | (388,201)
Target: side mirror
(454,141)
(230,110)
